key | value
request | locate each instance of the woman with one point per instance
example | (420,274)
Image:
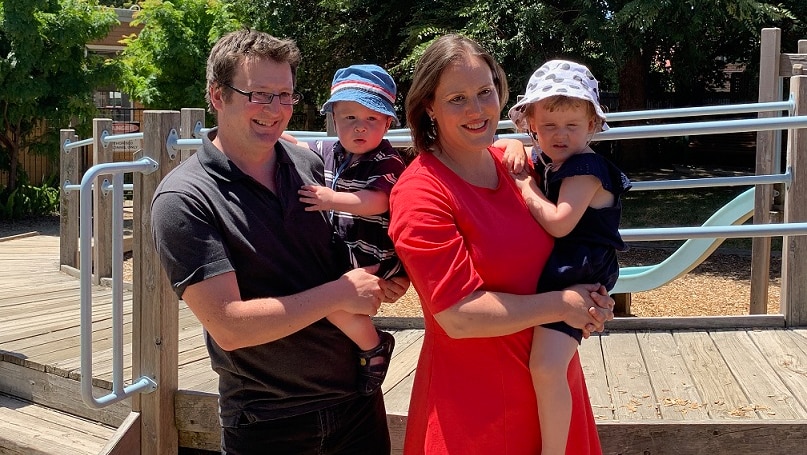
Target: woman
(474,255)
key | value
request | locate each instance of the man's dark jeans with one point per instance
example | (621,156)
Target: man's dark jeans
(358,426)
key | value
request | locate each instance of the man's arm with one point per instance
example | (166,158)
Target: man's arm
(235,323)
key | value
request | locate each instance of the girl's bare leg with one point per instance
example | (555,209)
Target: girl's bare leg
(549,362)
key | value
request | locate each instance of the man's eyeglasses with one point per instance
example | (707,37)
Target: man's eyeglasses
(285,98)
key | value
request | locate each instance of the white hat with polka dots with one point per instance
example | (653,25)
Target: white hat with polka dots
(558,77)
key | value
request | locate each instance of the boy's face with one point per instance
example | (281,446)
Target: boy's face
(360,129)
(563,132)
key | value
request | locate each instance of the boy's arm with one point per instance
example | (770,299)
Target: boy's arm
(362,202)
(576,194)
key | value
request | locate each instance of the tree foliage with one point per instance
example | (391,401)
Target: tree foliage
(46,77)
(164,66)
(643,49)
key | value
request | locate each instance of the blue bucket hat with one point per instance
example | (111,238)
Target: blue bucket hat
(368,85)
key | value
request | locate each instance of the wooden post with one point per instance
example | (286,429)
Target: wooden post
(622,304)
(101,205)
(189,117)
(769,55)
(330,126)
(70,166)
(794,248)
(155,307)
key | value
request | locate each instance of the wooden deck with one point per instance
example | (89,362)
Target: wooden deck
(653,391)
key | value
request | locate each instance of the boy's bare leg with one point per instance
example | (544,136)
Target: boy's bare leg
(549,362)
(359,328)
(375,348)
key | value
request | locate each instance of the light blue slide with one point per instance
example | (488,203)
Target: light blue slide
(688,255)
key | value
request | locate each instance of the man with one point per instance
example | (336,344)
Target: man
(261,273)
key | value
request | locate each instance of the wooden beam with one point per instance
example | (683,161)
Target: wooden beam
(101,205)
(70,164)
(737,438)
(697,322)
(155,307)
(769,90)
(794,254)
(189,118)
(126,440)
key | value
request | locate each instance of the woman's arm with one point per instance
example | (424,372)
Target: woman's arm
(489,314)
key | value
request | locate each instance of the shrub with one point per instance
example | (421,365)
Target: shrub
(27,201)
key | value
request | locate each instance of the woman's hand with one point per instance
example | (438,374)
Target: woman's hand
(394,288)
(590,307)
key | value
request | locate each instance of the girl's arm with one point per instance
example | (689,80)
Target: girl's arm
(576,194)
(362,202)
(515,154)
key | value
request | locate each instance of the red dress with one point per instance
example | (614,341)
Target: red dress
(474,396)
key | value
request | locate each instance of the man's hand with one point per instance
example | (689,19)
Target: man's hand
(366,292)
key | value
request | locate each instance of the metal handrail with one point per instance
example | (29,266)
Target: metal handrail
(712,232)
(144,384)
(710,182)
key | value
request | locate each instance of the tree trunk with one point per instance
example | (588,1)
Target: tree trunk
(11,143)
(14,159)
(633,153)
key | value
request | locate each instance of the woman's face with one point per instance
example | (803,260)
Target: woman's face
(465,107)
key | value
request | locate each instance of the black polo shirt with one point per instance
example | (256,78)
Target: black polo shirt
(209,218)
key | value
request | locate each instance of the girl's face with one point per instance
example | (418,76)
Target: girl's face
(465,107)
(359,128)
(563,132)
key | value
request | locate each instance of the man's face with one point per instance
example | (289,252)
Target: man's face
(253,127)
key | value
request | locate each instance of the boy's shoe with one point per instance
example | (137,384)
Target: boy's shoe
(372,376)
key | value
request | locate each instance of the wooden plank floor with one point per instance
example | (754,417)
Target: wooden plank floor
(671,376)
(40,430)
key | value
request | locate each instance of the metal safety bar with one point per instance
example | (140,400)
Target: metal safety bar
(398,139)
(765,179)
(107,138)
(144,384)
(713,232)
(688,128)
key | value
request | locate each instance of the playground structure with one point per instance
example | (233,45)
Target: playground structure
(155,305)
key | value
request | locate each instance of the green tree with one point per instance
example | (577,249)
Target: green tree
(46,76)
(330,34)
(164,65)
(675,49)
